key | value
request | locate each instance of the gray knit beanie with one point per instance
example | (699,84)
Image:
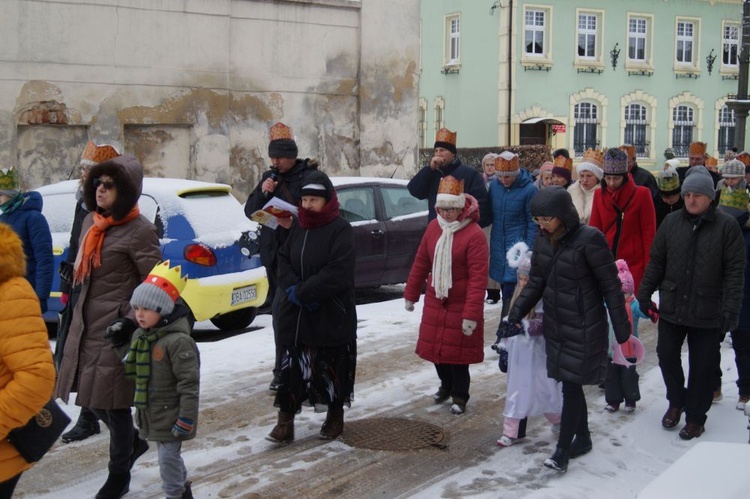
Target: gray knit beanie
(152,297)
(699,181)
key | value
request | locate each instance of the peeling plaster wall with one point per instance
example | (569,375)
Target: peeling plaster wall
(191,86)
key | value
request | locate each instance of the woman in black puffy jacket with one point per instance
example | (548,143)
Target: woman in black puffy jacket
(574,272)
(314,312)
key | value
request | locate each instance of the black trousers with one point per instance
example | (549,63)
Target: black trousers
(703,348)
(8,486)
(574,419)
(455,378)
(621,383)
(741,347)
(122,435)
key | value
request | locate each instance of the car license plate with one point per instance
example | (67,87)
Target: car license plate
(242,295)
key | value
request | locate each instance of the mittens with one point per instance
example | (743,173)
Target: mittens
(468,327)
(119,332)
(291,293)
(183,427)
(409,305)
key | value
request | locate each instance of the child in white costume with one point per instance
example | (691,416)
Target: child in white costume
(529,392)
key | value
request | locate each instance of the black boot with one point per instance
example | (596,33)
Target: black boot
(581,445)
(283,432)
(334,423)
(140,447)
(188,492)
(116,486)
(86,426)
(558,461)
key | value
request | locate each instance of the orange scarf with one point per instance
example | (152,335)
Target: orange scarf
(90,253)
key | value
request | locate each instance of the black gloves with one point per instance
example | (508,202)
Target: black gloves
(66,272)
(649,308)
(509,328)
(728,322)
(120,331)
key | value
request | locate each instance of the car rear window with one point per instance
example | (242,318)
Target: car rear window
(398,202)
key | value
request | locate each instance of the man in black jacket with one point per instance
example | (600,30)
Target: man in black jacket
(697,263)
(640,175)
(284,179)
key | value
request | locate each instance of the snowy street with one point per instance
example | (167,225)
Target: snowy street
(231,458)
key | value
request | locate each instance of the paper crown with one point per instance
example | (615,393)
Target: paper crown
(170,280)
(506,162)
(9,179)
(445,135)
(628,149)
(451,185)
(698,149)
(563,162)
(668,181)
(94,154)
(594,156)
(744,157)
(615,162)
(280,131)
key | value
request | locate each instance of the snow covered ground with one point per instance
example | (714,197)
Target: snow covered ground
(230,457)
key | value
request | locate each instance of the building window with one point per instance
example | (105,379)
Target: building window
(587,32)
(682,134)
(636,127)
(586,116)
(726,129)
(534,35)
(439,111)
(422,125)
(637,39)
(453,40)
(730,45)
(685,42)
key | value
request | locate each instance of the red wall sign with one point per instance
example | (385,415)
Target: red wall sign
(558,128)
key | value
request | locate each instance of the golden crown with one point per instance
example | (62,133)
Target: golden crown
(744,157)
(594,156)
(451,185)
(563,162)
(504,164)
(628,149)
(168,279)
(445,135)
(698,148)
(98,154)
(280,131)
(711,161)
(9,179)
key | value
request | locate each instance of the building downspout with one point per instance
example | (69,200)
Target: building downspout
(510,70)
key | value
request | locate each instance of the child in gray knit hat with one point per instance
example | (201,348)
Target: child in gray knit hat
(733,195)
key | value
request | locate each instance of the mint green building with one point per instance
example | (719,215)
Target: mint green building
(581,73)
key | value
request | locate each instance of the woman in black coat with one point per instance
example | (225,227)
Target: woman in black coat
(574,272)
(314,312)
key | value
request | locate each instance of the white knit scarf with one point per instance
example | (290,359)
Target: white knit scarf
(442,267)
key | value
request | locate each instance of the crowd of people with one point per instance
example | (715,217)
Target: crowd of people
(573,259)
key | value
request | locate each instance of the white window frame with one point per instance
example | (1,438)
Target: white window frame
(588,60)
(726,119)
(691,66)
(592,121)
(422,125)
(439,113)
(690,121)
(534,29)
(729,68)
(452,55)
(545,58)
(641,120)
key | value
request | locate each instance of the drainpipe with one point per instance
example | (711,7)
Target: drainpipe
(510,68)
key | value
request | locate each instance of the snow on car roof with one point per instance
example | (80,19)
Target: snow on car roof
(342,181)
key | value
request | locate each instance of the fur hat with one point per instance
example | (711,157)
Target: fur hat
(699,181)
(450,193)
(519,258)
(161,288)
(94,154)
(592,162)
(615,162)
(446,139)
(282,144)
(127,174)
(733,169)
(668,181)
(10,185)
(506,163)
(626,278)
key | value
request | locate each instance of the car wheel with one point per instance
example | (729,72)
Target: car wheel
(239,319)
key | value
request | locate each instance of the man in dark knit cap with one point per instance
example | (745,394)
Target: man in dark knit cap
(284,179)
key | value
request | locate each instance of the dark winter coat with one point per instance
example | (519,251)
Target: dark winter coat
(441,339)
(644,178)
(90,366)
(634,207)
(290,184)
(575,278)
(682,171)
(31,226)
(511,223)
(697,268)
(425,184)
(663,209)
(75,234)
(174,385)
(744,320)
(320,263)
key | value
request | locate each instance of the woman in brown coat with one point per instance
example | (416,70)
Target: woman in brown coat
(118,248)
(27,374)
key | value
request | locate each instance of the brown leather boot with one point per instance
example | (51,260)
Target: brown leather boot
(283,432)
(333,425)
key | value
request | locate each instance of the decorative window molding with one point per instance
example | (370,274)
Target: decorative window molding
(588,39)
(422,124)
(439,113)
(680,119)
(640,53)
(532,112)
(647,135)
(725,125)
(731,34)
(537,49)
(687,46)
(588,95)
(452,46)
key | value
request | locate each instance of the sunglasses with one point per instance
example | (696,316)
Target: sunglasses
(107,184)
(542,220)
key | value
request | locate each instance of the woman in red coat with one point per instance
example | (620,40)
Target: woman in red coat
(453,255)
(624,212)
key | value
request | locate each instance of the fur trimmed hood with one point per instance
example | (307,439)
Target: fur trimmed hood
(127,174)
(12,258)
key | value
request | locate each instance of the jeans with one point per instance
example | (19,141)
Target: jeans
(171,468)
(121,436)
(456,379)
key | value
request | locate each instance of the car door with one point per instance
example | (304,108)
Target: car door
(405,220)
(357,204)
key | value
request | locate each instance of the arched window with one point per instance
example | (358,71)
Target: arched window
(726,129)
(636,128)
(682,133)
(586,116)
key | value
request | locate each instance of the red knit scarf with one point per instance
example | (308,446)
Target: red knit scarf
(309,219)
(90,253)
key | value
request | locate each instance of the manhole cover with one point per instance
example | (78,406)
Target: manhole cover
(392,434)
